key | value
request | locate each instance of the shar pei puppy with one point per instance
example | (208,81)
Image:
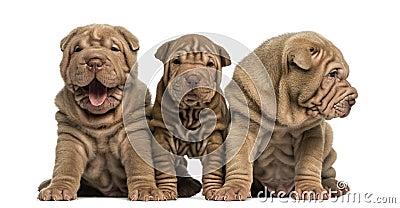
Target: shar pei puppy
(94,156)
(300,84)
(190,116)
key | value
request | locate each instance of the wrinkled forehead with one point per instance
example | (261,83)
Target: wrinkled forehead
(331,49)
(98,36)
(334,56)
(339,56)
(190,47)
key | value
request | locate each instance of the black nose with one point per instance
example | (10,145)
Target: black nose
(193,80)
(95,64)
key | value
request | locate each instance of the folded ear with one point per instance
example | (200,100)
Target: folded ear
(66,56)
(64,42)
(132,40)
(301,56)
(225,58)
(161,53)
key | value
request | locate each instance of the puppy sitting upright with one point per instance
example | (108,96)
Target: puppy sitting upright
(308,75)
(190,114)
(93,152)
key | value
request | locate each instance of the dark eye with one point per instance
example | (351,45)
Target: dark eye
(176,61)
(313,50)
(115,48)
(333,73)
(210,64)
(77,48)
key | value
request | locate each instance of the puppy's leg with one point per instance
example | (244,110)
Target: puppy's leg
(84,189)
(164,160)
(309,158)
(71,159)
(239,173)
(328,174)
(213,178)
(140,175)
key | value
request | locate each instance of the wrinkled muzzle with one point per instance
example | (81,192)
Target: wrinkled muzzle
(333,99)
(193,86)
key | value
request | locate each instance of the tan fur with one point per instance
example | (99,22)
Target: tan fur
(92,144)
(299,155)
(180,57)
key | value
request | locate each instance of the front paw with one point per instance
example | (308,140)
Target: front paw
(169,195)
(228,193)
(146,194)
(310,191)
(57,193)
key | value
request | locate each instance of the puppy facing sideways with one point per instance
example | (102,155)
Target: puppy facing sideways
(189,115)
(308,75)
(93,155)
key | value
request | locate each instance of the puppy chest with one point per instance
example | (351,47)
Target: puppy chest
(193,142)
(105,140)
(191,149)
(190,118)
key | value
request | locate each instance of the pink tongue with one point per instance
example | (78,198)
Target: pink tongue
(97,93)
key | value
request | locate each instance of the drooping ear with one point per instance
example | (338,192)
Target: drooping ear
(302,57)
(225,58)
(64,42)
(163,55)
(166,77)
(162,52)
(66,56)
(132,40)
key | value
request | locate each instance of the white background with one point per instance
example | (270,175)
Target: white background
(367,32)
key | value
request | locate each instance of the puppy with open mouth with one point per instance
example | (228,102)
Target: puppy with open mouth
(190,116)
(94,156)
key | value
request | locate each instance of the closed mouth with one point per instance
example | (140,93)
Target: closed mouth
(339,109)
(191,98)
